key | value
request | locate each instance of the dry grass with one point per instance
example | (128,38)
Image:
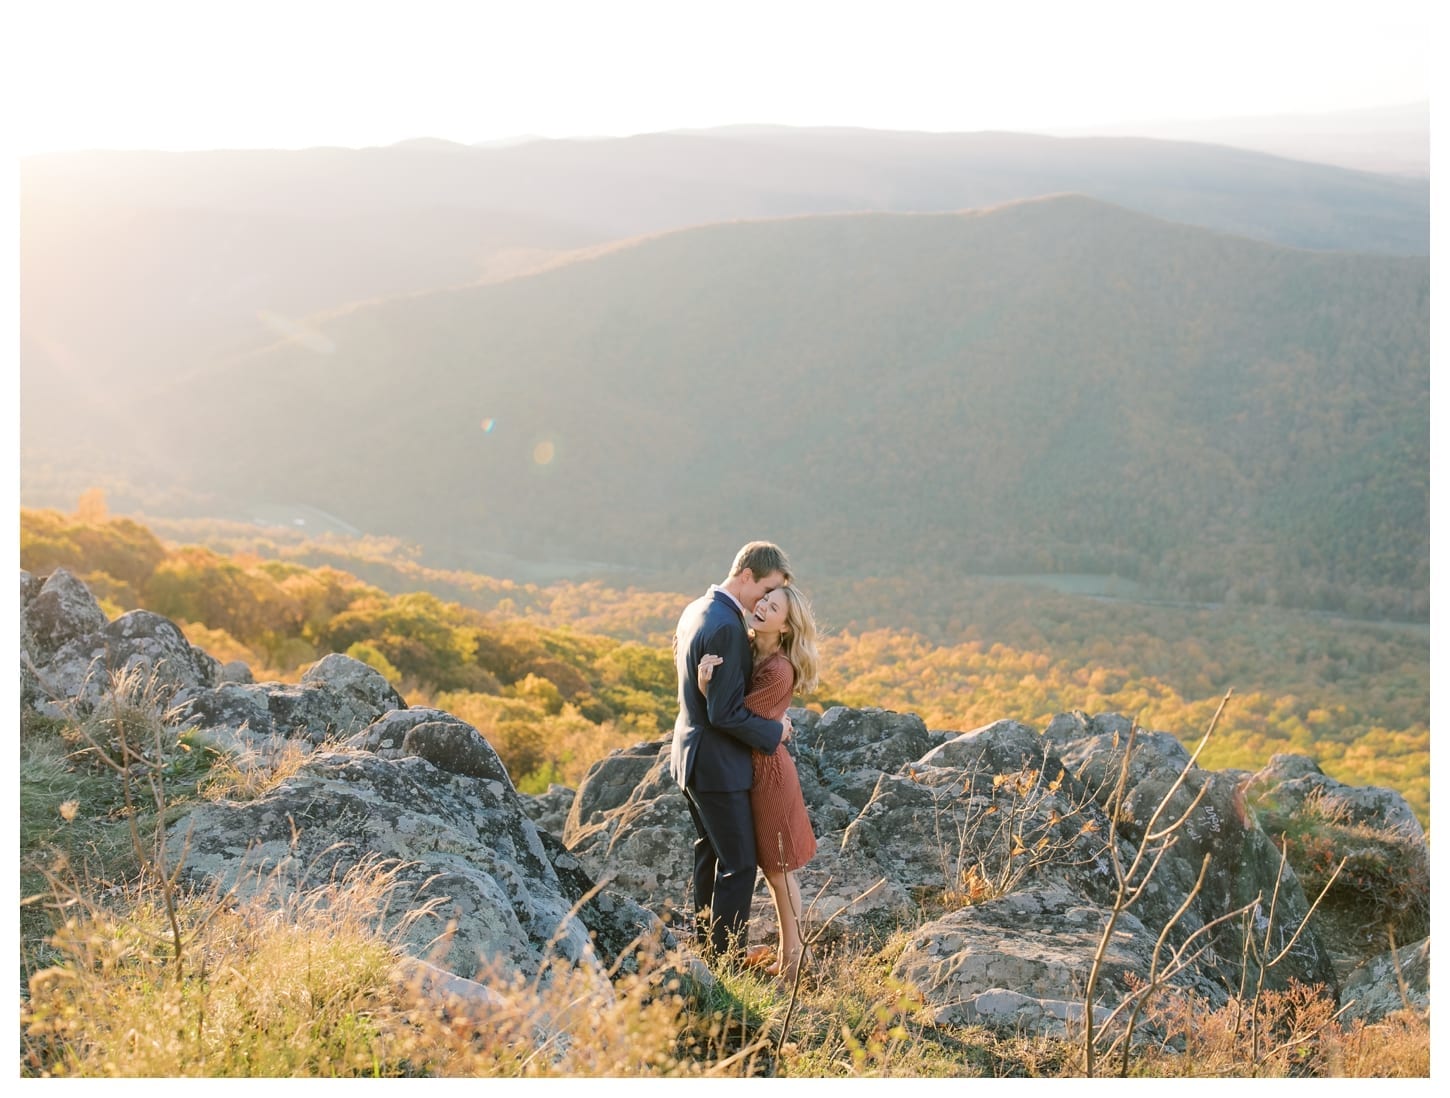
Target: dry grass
(125,976)
(307,985)
(247,777)
(249,990)
(1294,1033)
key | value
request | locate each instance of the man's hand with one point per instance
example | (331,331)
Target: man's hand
(785,732)
(708,663)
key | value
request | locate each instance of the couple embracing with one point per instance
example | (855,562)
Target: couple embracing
(741,651)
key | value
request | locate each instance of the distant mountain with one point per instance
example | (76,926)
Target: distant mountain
(1393,139)
(433,144)
(135,266)
(504,142)
(1058,384)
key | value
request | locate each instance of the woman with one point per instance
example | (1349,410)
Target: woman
(783,636)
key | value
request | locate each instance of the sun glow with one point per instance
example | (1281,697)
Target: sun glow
(173,74)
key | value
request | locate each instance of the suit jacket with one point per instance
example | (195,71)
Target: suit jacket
(714,733)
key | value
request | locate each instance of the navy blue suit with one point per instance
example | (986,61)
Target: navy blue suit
(710,759)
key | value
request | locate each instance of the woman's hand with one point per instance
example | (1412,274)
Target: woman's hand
(708,663)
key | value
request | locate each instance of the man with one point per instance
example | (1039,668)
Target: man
(714,735)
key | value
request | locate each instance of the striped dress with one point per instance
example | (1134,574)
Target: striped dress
(783,835)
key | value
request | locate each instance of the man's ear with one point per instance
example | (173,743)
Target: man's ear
(747,575)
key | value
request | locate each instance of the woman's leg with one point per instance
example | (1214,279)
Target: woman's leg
(785,890)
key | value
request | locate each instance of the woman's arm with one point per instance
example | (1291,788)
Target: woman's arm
(770,689)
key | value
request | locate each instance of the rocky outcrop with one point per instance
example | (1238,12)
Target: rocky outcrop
(337,697)
(411,793)
(1003,830)
(71,655)
(1290,784)
(466,856)
(1219,856)
(1031,945)
(996,852)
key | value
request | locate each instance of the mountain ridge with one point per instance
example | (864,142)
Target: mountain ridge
(1121,343)
(134,266)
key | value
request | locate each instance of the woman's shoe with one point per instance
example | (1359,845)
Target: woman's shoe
(759,956)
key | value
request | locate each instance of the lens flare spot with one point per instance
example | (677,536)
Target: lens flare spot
(487,426)
(544,453)
(297,331)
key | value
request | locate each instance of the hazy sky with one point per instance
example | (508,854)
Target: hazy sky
(291,73)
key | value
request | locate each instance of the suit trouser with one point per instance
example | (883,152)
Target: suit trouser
(724,866)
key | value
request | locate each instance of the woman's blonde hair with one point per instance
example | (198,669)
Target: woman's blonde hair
(798,640)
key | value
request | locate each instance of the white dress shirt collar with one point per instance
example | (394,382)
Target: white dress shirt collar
(716,587)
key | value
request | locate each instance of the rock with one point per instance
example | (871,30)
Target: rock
(1381,894)
(550,809)
(54,612)
(145,648)
(1218,850)
(1291,784)
(998,748)
(473,882)
(617,925)
(384,735)
(337,697)
(1018,1014)
(1066,727)
(952,831)
(30,586)
(1373,990)
(235,671)
(355,682)
(1037,944)
(457,749)
(643,842)
(850,748)
(611,782)
(456,995)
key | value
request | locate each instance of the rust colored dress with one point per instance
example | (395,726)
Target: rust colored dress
(776,802)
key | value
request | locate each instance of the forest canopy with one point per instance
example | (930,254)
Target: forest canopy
(555,676)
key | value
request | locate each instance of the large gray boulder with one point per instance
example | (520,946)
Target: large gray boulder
(144,648)
(1220,861)
(1291,784)
(629,825)
(55,610)
(465,855)
(475,883)
(1038,944)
